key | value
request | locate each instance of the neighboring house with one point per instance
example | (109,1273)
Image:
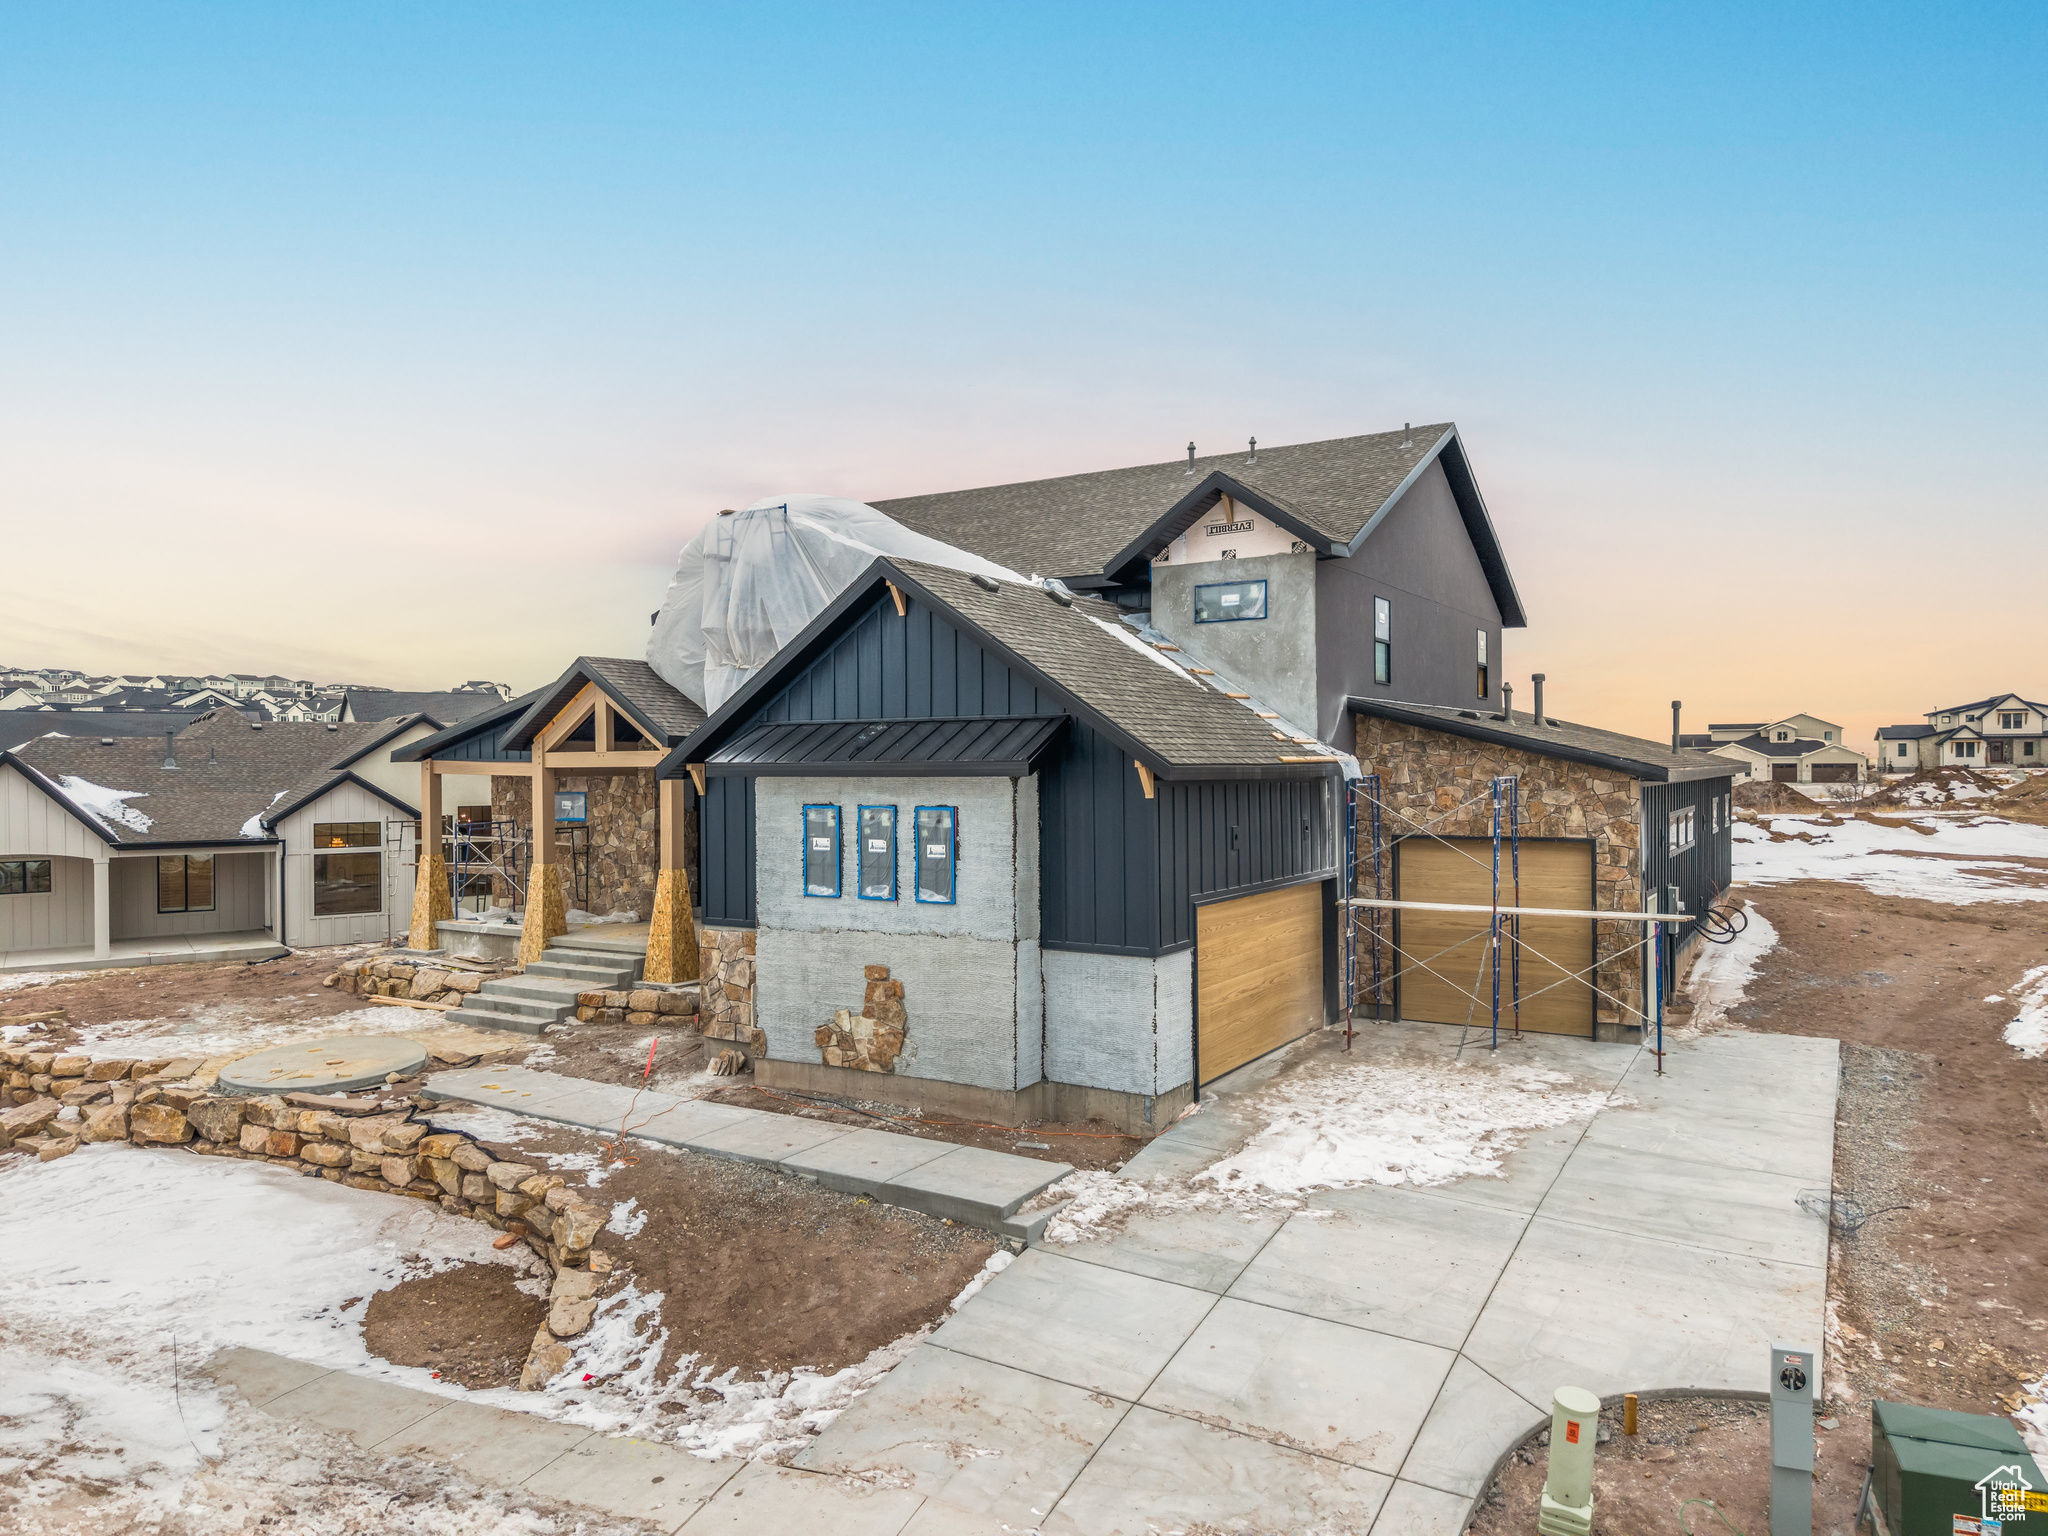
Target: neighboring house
(362,704)
(1798,749)
(229,837)
(1308,575)
(21,698)
(500,691)
(2004,730)
(90,724)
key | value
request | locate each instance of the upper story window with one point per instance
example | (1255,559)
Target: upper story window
(1782,736)
(1220,602)
(1681,830)
(1484,678)
(1827,735)
(821,850)
(2011,719)
(1947,719)
(1382,640)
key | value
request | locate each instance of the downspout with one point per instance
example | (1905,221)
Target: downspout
(280,895)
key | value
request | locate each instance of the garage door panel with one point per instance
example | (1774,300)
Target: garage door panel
(1258,975)
(1445,959)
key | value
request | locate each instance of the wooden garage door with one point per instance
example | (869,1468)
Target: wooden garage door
(1453,944)
(1785,773)
(1834,773)
(1258,975)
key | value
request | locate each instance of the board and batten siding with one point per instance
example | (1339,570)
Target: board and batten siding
(33,826)
(346,802)
(241,896)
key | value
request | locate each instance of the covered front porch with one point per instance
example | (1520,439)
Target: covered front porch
(110,907)
(157,949)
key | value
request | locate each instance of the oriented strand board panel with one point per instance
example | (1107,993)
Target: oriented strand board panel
(1453,944)
(1258,975)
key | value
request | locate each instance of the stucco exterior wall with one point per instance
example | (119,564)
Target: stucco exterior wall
(1123,1022)
(1424,774)
(1274,658)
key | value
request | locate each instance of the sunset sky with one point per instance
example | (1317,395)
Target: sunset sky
(406,344)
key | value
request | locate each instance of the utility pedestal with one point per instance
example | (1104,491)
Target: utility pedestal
(1792,1379)
(1566,1508)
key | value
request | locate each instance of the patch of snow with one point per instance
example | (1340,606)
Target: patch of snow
(39,979)
(2028,1031)
(220,1032)
(627,1219)
(108,807)
(1956,860)
(2033,1416)
(253,827)
(581,919)
(1722,974)
(1423,1124)
(1095,1200)
(1996,997)
(997,1262)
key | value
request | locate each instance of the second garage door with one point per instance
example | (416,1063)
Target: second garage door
(1457,987)
(1258,975)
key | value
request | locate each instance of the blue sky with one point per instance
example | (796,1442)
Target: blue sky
(315,314)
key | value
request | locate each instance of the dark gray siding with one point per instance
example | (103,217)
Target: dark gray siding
(725,852)
(485,745)
(1237,835)
(1098,850)
(1702,871)
(1421,560)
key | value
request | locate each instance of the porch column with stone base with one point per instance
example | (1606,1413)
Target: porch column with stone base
(545,917)
(672,935)
(430,902)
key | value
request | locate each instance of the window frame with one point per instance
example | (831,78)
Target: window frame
(1485,671)
(1382,641)
(371,833)
(25,875)
(183,861)
(860,853)
(952,896)
(2012,719)
(1231,618)
(349,851)
(1681,819)
(838,851)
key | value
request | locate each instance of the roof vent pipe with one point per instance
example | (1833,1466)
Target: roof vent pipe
(1191,460)
(1253,456)
(1537,714)
(1407,434)
(1675,707)
(1507,702)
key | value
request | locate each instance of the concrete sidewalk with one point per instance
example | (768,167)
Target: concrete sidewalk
(966,1184)
(1364,1366)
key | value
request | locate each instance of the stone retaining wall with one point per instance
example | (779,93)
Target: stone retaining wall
(1425,774)
(638,1006)
(57,1100)
(421,981)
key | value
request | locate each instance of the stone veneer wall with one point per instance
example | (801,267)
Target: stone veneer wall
(725,997)
(1424,773)
(624,825)
(57,1099)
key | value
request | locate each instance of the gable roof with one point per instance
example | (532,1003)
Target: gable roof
(1635,756)
(228,774)
(365,705)
(1904,732)
(663,715)
(1763,746)
(20,726)
(1097,528)
(495,716)
(1078,651)
(1993,702)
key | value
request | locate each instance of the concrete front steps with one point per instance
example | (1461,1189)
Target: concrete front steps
(545,993)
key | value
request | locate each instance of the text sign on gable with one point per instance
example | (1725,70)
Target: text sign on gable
(1216,529)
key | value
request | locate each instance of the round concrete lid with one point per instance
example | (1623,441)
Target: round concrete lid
(1575,1401)
(324,1066)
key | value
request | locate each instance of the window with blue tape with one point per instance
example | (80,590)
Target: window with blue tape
(821,850)
(875,826)
(938,852)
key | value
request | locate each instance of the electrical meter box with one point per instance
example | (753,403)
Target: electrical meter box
(1934,1472)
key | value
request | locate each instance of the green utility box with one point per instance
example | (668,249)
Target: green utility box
(1930,1469)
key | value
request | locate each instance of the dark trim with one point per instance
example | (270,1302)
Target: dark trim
(1479,528)
(403,723)
(275,814)
(922,746)
(556,697)
(1186,512)
(1140,951)
(1479,730)
(174,844)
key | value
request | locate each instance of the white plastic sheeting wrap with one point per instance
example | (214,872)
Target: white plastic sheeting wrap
(750,581)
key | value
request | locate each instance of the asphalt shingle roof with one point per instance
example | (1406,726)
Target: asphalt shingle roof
(638,687)
(1182,721)
(227,770)
(1075,525)
(366,704)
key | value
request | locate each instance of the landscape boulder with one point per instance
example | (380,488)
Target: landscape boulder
(217,1119)
(26,1120)
(158,1122)
(109,1122)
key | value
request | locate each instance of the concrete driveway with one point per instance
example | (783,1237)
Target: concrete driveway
(1362,1365)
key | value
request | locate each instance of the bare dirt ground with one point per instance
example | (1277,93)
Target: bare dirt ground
(757,1271)
(471,1324)
(1685,1448)
(1937,1292)
(1085,1144)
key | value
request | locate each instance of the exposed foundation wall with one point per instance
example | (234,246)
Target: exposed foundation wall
(623,834)
(1119,1022)
(1424,774)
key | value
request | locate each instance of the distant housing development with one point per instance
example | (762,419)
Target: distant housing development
(1797,749)
(1999,731)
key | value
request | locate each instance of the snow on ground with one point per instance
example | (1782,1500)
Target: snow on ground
(1342,1125)
(1721,976)
(220,1031)
(2028,1031)
(2033,1417)
(1954,859)
(39,979)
